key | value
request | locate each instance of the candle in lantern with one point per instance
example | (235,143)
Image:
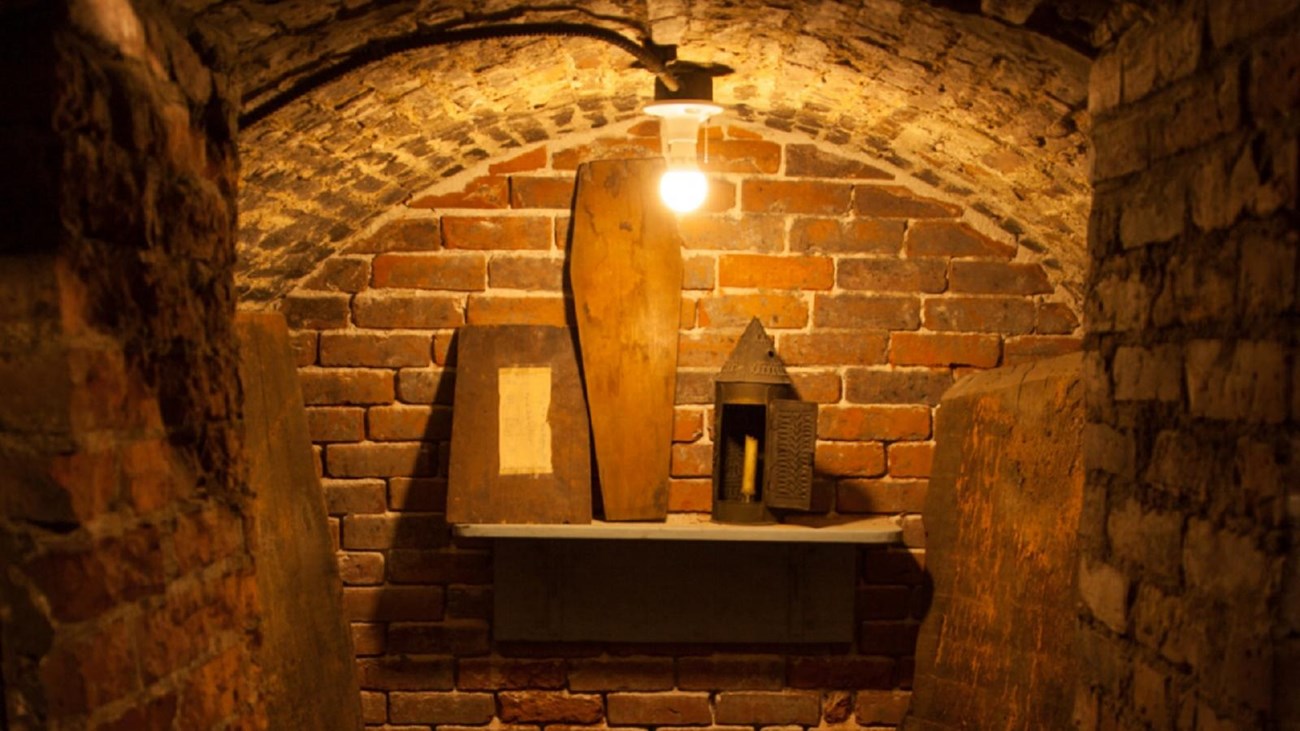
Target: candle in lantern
(747,490)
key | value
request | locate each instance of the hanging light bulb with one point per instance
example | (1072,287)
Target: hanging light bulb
(683,187)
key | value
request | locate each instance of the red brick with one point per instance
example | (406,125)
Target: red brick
(776,272)
(439,567)
(527,191)
(534,159)
(1055,318)
(407,309)
(339,274)
(956,240)
(495,673)
(910,459)
(808,161)
(688,425)
(405,673)
(621,673)
(1004,315)
(913,531)
(379,460)
(944,349)
(894,201)
(606,148)
(884,637)
(705,349)
(858,459)
(402,423)
(200,539)
(740,156)
(881,496)
(731,672)
(368,638)
(412,234)
(835,236)
(896,386)
(390,603)
(388,531)
(444,348)
(878,312)
(843,671)
(491,191)
(452,637)
(441,708)
(893,275)
(769,708)
(549,707)
(701,231)
(852,347)
(1033,347)
(459,272)
(821,387)
(660,709)
(374,706)
(316,311)
(361,569)
(375,349)
(690,495)
(83,584)
(686,318)
(499,310)
(501,232)
(304,344)
(698,272)
(721,197)
(345,386)
(795,196)
(692,460)
(417,494)
(694,387)
(775,311)
(887,423)
(990,277)
(881,707)
(892,566)
(343,497)
(336,424)
(526,272)
(426,385)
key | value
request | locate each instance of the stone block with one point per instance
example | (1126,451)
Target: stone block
(1104,590)
(1237,381)
(660,709)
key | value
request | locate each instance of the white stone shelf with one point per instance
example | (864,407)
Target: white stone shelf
(875,530)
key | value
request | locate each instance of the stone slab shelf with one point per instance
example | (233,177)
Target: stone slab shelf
(877,530)
(684,580)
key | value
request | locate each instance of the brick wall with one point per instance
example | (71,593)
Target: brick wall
(127,598)
(1190,610)
(878,296)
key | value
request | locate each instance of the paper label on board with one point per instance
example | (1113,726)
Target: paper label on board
(524,434)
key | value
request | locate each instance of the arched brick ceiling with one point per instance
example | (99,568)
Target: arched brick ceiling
(990,112)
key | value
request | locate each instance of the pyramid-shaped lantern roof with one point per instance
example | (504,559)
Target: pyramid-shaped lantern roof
(754,359)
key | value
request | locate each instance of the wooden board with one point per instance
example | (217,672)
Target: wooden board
(626,269)
(308,669)
(520,442)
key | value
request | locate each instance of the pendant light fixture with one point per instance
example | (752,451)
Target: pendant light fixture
(683,186)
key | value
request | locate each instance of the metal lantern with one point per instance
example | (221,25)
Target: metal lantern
(765,437)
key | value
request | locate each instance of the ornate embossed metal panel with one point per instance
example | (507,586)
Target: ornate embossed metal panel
(791,441)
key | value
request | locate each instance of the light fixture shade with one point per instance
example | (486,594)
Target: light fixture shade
(683,188)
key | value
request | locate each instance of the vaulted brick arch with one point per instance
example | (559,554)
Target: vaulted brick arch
(989,113)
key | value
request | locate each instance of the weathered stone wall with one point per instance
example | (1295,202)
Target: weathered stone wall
(879,291)
(127,597)
(1193,374)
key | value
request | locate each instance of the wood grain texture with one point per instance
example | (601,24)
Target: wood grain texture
(1001,517)
(477,491)
(306,657)
(627,272)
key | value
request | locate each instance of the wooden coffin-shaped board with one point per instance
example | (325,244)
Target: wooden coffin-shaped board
(520,444)
(626,269)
